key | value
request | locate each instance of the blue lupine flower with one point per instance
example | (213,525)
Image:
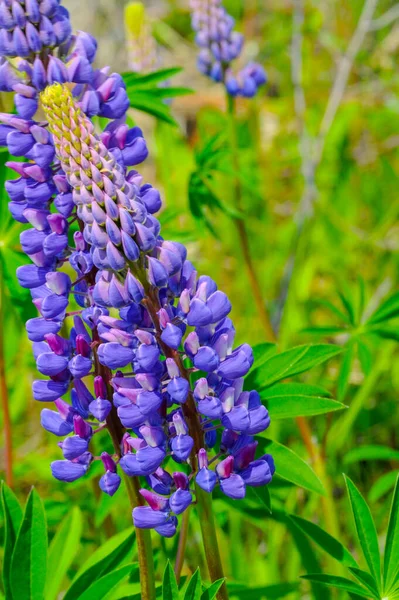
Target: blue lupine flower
(71,174)
(220,46)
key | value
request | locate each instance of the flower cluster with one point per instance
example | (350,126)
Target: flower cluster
(141,45)
(150,353)
(220,46)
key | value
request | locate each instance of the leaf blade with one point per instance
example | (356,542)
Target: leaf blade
(391,554)
(12,512)
(170,591)
(194,589)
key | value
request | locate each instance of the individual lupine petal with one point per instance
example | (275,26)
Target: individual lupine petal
(100,408)
(157,274)
(53,306)
(180,500)
(130,248)
(147,356)
(225,468)
(172,336)
(259,420)
(170,260)
(219,305)
(30,276)
(38,328)
(47,391)
(115,356)
(233,487)
(199,314)
(144,517)
(109,483)
(148,402)
(150,459)
(152,199)
(236,365)
(130,415)
(237,419)
(59,283)
(26,107)
(156,502)
(73,447)
(206,359)
(50,364)
(80,366)
(210,407)
(154,436)
(206,479)
(81,428)
(32,241)
(160,481)
(178,389)
(258,473)
(81,398)
(65,470)
(182,446)
(135,288)
(53,422)
(191,344)
(168,530)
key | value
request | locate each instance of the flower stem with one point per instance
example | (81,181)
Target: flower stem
(4,393)
(209,538)
(181,549)
(241,228)
(143,536)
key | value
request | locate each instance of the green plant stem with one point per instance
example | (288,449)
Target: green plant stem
(181,549)
(4,392)
(209,538)
(241,228)
(143,536)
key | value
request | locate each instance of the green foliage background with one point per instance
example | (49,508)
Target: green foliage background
(343,291)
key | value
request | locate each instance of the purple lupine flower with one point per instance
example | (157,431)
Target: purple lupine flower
(120,261)
(219,46)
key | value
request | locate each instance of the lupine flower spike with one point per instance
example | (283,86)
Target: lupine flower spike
(219,46)
(150,354)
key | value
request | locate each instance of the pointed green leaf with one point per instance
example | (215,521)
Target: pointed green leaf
(12,512)
(194,587)
(365,579)
(262,352)
(338,582)
(345,371)
(391,555)
(382,486)
(149,79)
(99,569)
(106,549)
(170,591)
(271,592)
(371,452)
(348,306)
(262,495)
(213,589)
(290,466)
(287,401)
(107,583)
(62,551)
(290,363)
(365,529)
(29,559)
(326,541)
(388,310)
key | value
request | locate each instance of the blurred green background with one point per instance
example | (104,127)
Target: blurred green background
(319,162)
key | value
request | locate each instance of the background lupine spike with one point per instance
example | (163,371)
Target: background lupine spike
(141,45)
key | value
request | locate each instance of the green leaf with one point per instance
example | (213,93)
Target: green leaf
(12,512)
(29,559)
(149,79)
(326,541)
(269,592)
(194,587)
(107,583)
(170,591)
(146,103)
(290,466)
(338,582)
(213,589)
(391,554)
(382,486)
(387,333)
(365,579)
(292,362)
(106,549)
(99,569)
(261,494)
(372,452)
(287,401)
(365,529)
(348,306)
(345,371)
(388,310)
(62,551)
(262,352)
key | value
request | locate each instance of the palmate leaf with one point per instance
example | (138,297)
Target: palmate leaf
(391,555)
(338,582)
(290,363)
(365,530)
(365,579)
(290,466)
(12,514)
(29,558)
(287,401)
(388,310)
(326,541)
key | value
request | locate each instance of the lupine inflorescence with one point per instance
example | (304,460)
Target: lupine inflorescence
(141,45)
(150,354)
(220,46)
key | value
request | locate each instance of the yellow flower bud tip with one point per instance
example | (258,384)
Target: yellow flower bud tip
(134,19)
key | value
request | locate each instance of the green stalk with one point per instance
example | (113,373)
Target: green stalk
(209,538)
(4,391)
(241,228)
